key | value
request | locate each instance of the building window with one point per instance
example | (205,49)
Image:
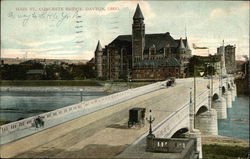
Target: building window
(152,50)
(167,49)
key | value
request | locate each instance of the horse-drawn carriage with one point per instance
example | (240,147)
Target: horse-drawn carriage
(170,82)
(136,117)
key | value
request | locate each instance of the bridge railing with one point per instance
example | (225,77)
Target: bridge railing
(202,98)
(170,122)
(191,149)
(81,107)
(181,114)
(168,145)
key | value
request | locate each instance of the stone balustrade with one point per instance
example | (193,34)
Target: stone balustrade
(101,102)
(170,145)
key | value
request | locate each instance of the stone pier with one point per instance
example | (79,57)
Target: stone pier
(207,122)
(233,90)
(221,107)
(228,96)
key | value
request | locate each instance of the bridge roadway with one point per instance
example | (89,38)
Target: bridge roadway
(104,133)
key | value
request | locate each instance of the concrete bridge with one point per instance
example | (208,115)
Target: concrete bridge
(98,128)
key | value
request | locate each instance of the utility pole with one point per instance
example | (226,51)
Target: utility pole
(211,76)
(221,69)
(212,82)
(194,92)
(220,82)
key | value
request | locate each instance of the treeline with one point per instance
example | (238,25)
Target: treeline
(202,66)
(34,70)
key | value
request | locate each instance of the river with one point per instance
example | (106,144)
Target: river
(17,105)
(237,123)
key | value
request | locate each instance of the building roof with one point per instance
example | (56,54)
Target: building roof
(160,40)
(91,60)
(138,13)
(127,38)
(98,47)
(181,44)
(186,44)
(183,40)
(232,46)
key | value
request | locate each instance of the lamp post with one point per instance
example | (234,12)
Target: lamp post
(81,90)
(150,120)
(150,145)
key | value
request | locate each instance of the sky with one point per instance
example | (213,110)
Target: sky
(71,29)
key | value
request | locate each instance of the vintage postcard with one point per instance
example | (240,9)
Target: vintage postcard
(124,79)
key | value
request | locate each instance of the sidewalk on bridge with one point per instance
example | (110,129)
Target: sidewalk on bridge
(100,134)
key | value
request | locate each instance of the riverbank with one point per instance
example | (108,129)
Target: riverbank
(68,86)
(242,86)
(50,83)
(217,147)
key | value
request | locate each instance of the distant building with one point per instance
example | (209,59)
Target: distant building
(230,61)
(142,56)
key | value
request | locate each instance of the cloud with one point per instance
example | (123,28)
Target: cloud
(131,5)
(57,39)
(12,52)
(66,54)
(218,12)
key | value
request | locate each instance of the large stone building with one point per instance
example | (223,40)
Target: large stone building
(142,56)
(229,54)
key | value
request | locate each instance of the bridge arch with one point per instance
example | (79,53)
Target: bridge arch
(215,98)
(228,86)
(219,104)
(180,133)
(201,110)
(206,120)
(223,89)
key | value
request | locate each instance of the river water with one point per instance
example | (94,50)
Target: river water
(237,123)
(16,105)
